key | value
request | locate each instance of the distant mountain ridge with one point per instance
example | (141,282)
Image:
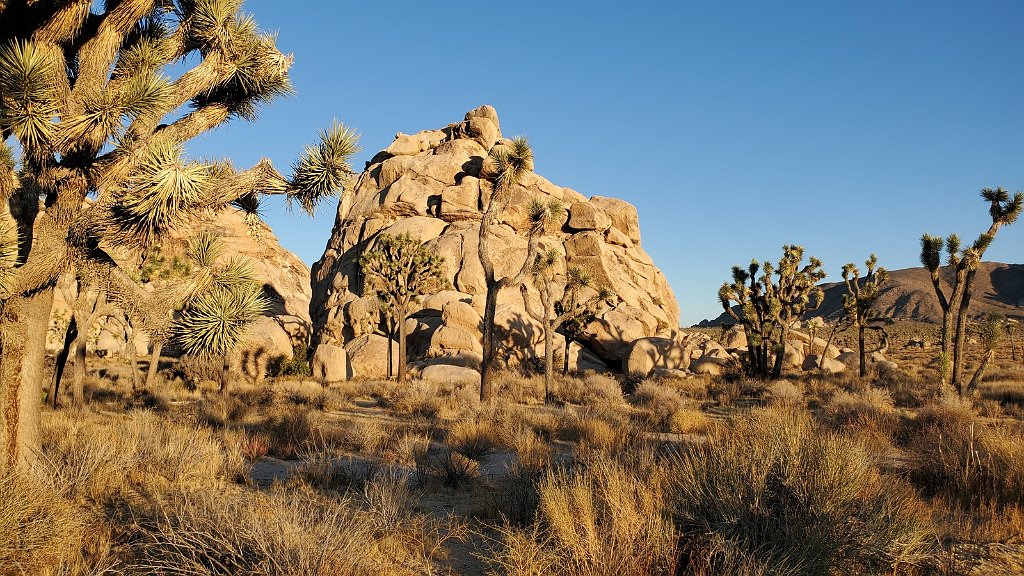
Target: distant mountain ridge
(909,295)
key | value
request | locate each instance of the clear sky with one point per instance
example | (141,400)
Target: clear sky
(734,127)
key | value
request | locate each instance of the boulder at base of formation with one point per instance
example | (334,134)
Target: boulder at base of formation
(448,374)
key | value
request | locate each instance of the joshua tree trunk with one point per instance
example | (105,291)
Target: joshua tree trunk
(980,372)
(565,358)
(225,369)
(154,364)
(549,362)
(490,345)
(861,345)
(961,335)
(61,362)
(402,356)
(79,372)
(780,355)
(22,371)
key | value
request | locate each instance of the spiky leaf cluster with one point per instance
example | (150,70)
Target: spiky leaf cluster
(506,165)
(324,169)
(221,301)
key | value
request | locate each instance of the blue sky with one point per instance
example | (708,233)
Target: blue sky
(734,127)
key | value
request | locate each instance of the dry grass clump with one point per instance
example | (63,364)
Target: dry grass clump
(277,533)
(475,438)
(1006,393)
(290,430)
(592,388)
(868,413)
(40,531)
(593,521)
(965,460)
(786,393)
(94,458)
(668,411)
(779,495)
(448,466)
(520,388)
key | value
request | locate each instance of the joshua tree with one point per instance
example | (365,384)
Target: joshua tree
(100,105)
(859,301)
(400,269)
(1011,327)
(505,167)
(991,334)
(1004,211)
(563,297)
(767,309)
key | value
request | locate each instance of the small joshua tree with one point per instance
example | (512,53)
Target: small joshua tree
(1011,328)
(505,167)
(992,330)
(768,309)
(400,269)
(563,297)
(1004,211)
(859,301)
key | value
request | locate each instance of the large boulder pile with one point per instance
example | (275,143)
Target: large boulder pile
(429,185)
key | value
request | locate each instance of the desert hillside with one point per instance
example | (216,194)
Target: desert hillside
(908,295)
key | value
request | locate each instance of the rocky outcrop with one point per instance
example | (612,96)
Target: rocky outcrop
(285,283)
(429,185)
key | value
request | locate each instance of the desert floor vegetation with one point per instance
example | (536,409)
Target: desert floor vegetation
(812,474)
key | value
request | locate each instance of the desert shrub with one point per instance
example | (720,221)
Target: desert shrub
(667,410)
(289,430)
(593,520)
(40,531)
(194,370)
(474,439)
(419,399)
(785,392)
(689,421)
(257,397)
(592,388)
(869,413)
(693,388)
(533,453)
(221,409)
(779,495)
(389,499)
(450,467)
(961,458)
(589,432)
(297,365)
(408,447)
(279,533)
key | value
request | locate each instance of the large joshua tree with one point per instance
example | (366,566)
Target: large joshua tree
(505,167)
(859,301)
(100,105)
(964,262)
(768,309)
(400,269)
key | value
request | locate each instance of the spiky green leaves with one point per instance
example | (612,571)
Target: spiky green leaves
(28,81)
(164,192)
(205,248)
(542,214)
(1003,209)
(324,168)
(217,320)
(862,294)
(507,164)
